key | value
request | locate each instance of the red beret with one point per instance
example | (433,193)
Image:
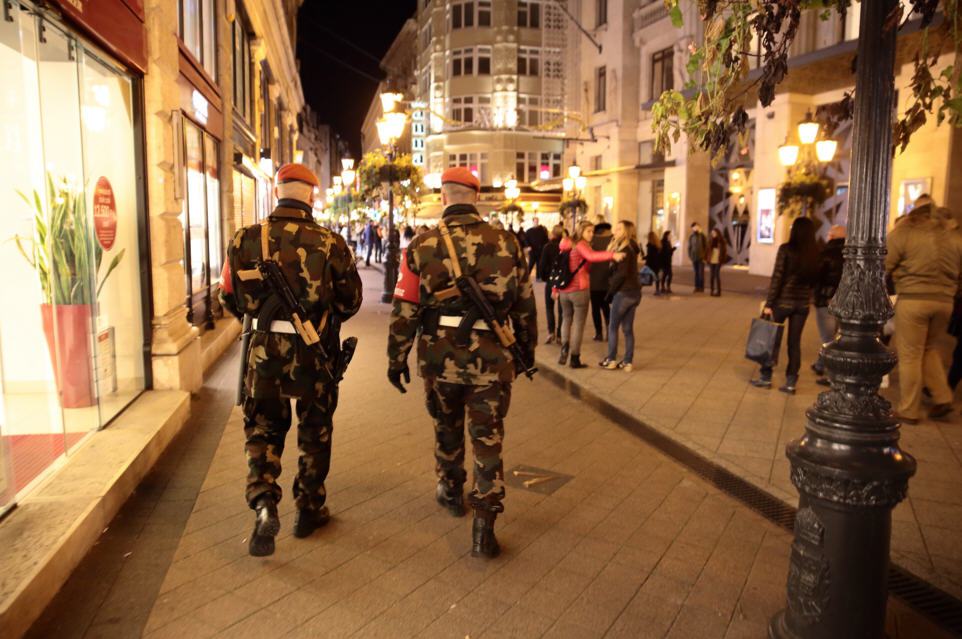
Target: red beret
(297,173)
(461,175)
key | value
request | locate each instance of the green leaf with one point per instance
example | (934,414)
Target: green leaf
(114,263)
(677,20)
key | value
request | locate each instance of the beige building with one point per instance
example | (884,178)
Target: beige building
(493,84)
(737,194)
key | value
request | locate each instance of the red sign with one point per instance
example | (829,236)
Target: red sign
(105,214)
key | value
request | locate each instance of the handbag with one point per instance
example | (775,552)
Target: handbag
(646,275)
(764,341)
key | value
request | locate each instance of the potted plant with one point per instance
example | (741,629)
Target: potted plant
(802,193)
(67,260)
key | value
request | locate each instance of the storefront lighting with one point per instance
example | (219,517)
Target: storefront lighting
(808,129)
(433,180)
(825,150)
(788,154)
(574,171)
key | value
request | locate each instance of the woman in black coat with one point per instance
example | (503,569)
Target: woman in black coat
(665,257)
(797,265)
(653,258)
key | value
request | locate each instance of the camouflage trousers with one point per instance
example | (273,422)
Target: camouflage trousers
(266,422)
(483,409)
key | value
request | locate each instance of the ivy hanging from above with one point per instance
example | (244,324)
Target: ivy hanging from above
(711,112)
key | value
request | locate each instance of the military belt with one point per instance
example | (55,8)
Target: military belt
(454,321)
(279,326)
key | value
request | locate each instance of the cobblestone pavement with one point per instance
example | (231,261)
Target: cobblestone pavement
(691,382)
(633,545)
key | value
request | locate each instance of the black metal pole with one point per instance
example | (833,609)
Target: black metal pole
(392,258)
(847,467)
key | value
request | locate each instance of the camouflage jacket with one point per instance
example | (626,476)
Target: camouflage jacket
(320,269)
(495,260)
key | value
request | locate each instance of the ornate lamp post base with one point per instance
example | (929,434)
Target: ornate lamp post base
(848,467)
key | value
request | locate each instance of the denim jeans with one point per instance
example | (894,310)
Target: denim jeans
(699,268)
(623,309)
(574,313)
(826,331)
(714,271)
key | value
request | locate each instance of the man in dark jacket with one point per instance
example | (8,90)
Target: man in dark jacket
(830,274)
(548,257)
(697,252)
(537,237)
(600,275)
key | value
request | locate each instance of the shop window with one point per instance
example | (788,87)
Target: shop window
(529,14)
(601,89)
(197,20)
(662,72)
(529,61)
(72,335)
(477,163)
(200,216)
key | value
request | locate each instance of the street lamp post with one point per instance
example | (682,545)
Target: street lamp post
(812,151)
(390,127)
(574,185)
(848,467)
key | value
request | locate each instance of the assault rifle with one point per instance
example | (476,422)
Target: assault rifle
(245,349)
(471,291)
(275,280)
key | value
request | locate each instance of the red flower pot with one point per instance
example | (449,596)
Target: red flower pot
(67,328)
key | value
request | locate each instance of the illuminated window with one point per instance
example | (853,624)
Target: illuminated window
(197,28)
(529,61)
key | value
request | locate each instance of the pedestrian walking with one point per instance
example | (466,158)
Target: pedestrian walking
(697,253)
(600,309)
(378,242)
(666,253)
(552,307)
(624,293)
(653,259)
(829,276)
(717,256)
(370,236)
(576,295)
(467,372)
(314,266)
(537,238)
(406,236)
(789,295)
(925,262)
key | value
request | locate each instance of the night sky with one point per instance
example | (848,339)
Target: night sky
(332,30)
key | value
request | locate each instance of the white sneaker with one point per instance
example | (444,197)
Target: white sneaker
(612,365)
(625,367)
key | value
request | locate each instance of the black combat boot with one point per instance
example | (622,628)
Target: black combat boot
(563,358)
(266,527)
(483,541)
(307,520)
(452,500)
(576,362)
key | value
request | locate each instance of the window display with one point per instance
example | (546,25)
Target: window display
(72,350)
(200,216)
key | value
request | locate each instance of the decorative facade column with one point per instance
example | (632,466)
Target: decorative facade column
(175,344)
(848,468)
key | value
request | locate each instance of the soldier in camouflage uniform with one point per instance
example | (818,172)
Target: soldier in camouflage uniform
(467,373)
(320,271)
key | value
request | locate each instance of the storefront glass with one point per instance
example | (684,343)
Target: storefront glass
(201,219)
(71,332)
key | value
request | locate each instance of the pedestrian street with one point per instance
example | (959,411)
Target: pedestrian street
(633,545)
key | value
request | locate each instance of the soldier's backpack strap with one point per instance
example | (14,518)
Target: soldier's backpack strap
(452,292)
(247,275)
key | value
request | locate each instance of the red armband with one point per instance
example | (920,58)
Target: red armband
(408,287)
(226,282)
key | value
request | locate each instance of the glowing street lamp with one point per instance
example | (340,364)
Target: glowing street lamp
(808,129)
(788,154)
(390,128)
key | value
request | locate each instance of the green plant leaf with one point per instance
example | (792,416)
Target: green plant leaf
(677,20)
(110,269)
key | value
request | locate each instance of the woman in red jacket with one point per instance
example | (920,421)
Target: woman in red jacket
(576,296)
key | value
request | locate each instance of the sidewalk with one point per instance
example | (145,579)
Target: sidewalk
(691,383)
(633,545)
